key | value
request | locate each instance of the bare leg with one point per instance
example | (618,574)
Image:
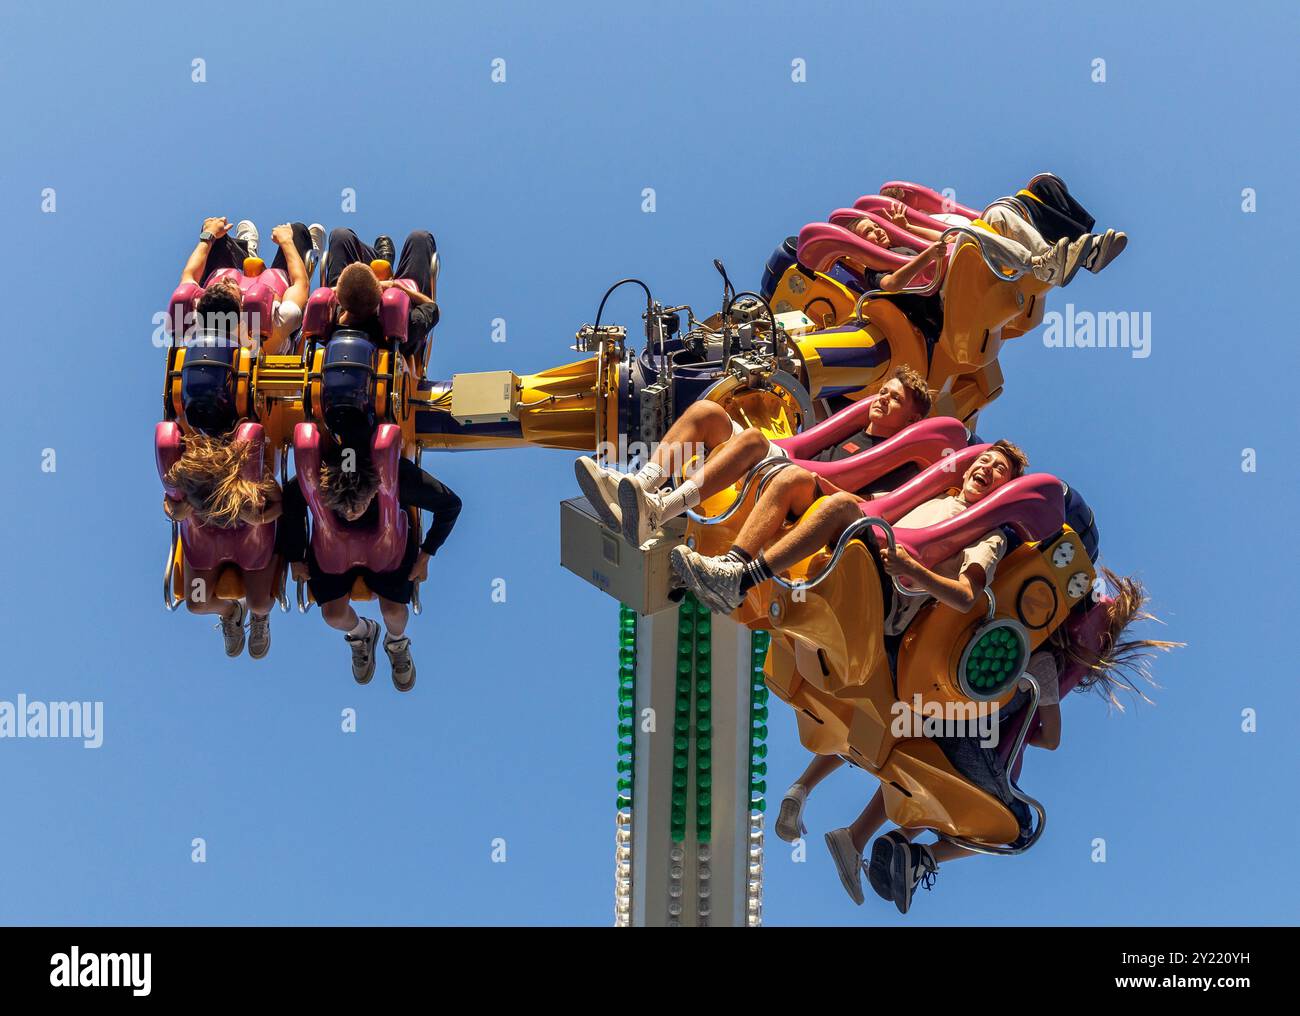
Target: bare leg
(395,617)
(731,462)
(339,614)
(818,769)
(704,423)
(827,521)
(791,492)
(201,594)
(944,850)
(866,825)
(259,588)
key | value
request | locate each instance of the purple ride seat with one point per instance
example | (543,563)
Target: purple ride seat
(249,547)
(337,546)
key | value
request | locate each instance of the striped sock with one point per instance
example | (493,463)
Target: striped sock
(755,572)
(739,555)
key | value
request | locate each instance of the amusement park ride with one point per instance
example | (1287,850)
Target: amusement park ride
(694,687)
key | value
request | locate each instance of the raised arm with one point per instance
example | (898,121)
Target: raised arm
(900,277)
(299,283)
(193,270)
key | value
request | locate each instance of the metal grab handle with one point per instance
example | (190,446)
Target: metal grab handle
(933,286)
(304,604)
(415,600)
(777,461)
(169,600)
(1006,850)
(859,526)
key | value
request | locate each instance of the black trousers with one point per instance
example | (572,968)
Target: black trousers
(415,261)
(1059,215)
(227,252)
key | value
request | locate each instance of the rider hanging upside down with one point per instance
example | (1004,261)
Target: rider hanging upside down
(897,865)
(218,248)
(358,290)
(209,477)
(350,494)
(636,504)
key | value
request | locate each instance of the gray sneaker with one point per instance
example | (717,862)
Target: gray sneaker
(317,233)
(363,652)
(848,862)
(232,631)
(600,487)
(1106,249)
(246,232)
(399,655)
(789,821)
(259,635)
(714,580)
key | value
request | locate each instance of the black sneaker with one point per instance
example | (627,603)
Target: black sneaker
(882,859)
(912,865)
(363,652)
(384,248)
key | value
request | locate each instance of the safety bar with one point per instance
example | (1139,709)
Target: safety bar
(854,528)
(777,461)
(932,287)
(1006,850)
(169,600)
(304,604)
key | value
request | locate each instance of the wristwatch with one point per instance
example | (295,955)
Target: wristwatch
(206,236)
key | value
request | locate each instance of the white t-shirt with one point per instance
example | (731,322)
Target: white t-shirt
(286,318)
(951,219)
(985,552)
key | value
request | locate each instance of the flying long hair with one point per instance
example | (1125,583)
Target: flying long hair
(1123,663)
(209,474)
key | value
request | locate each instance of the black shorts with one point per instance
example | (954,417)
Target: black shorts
(391,585)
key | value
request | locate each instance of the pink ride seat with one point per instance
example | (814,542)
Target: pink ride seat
(923,443)
(260,294)
(394,311)
(822,244)
(879,204)
(250,547)
(924,199)
(338,547)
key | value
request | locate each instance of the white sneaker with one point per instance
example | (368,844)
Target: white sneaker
(714,580)
(1050,267)
(848,862)
(317,233)
(1077,255)
(247,232)
(259,635)
(789,821)
(642,511)
(600,488)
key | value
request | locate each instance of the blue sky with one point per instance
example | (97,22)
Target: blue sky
(533,189)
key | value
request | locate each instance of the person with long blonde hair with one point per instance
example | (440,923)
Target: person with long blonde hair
(214,492)
(1120,666)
